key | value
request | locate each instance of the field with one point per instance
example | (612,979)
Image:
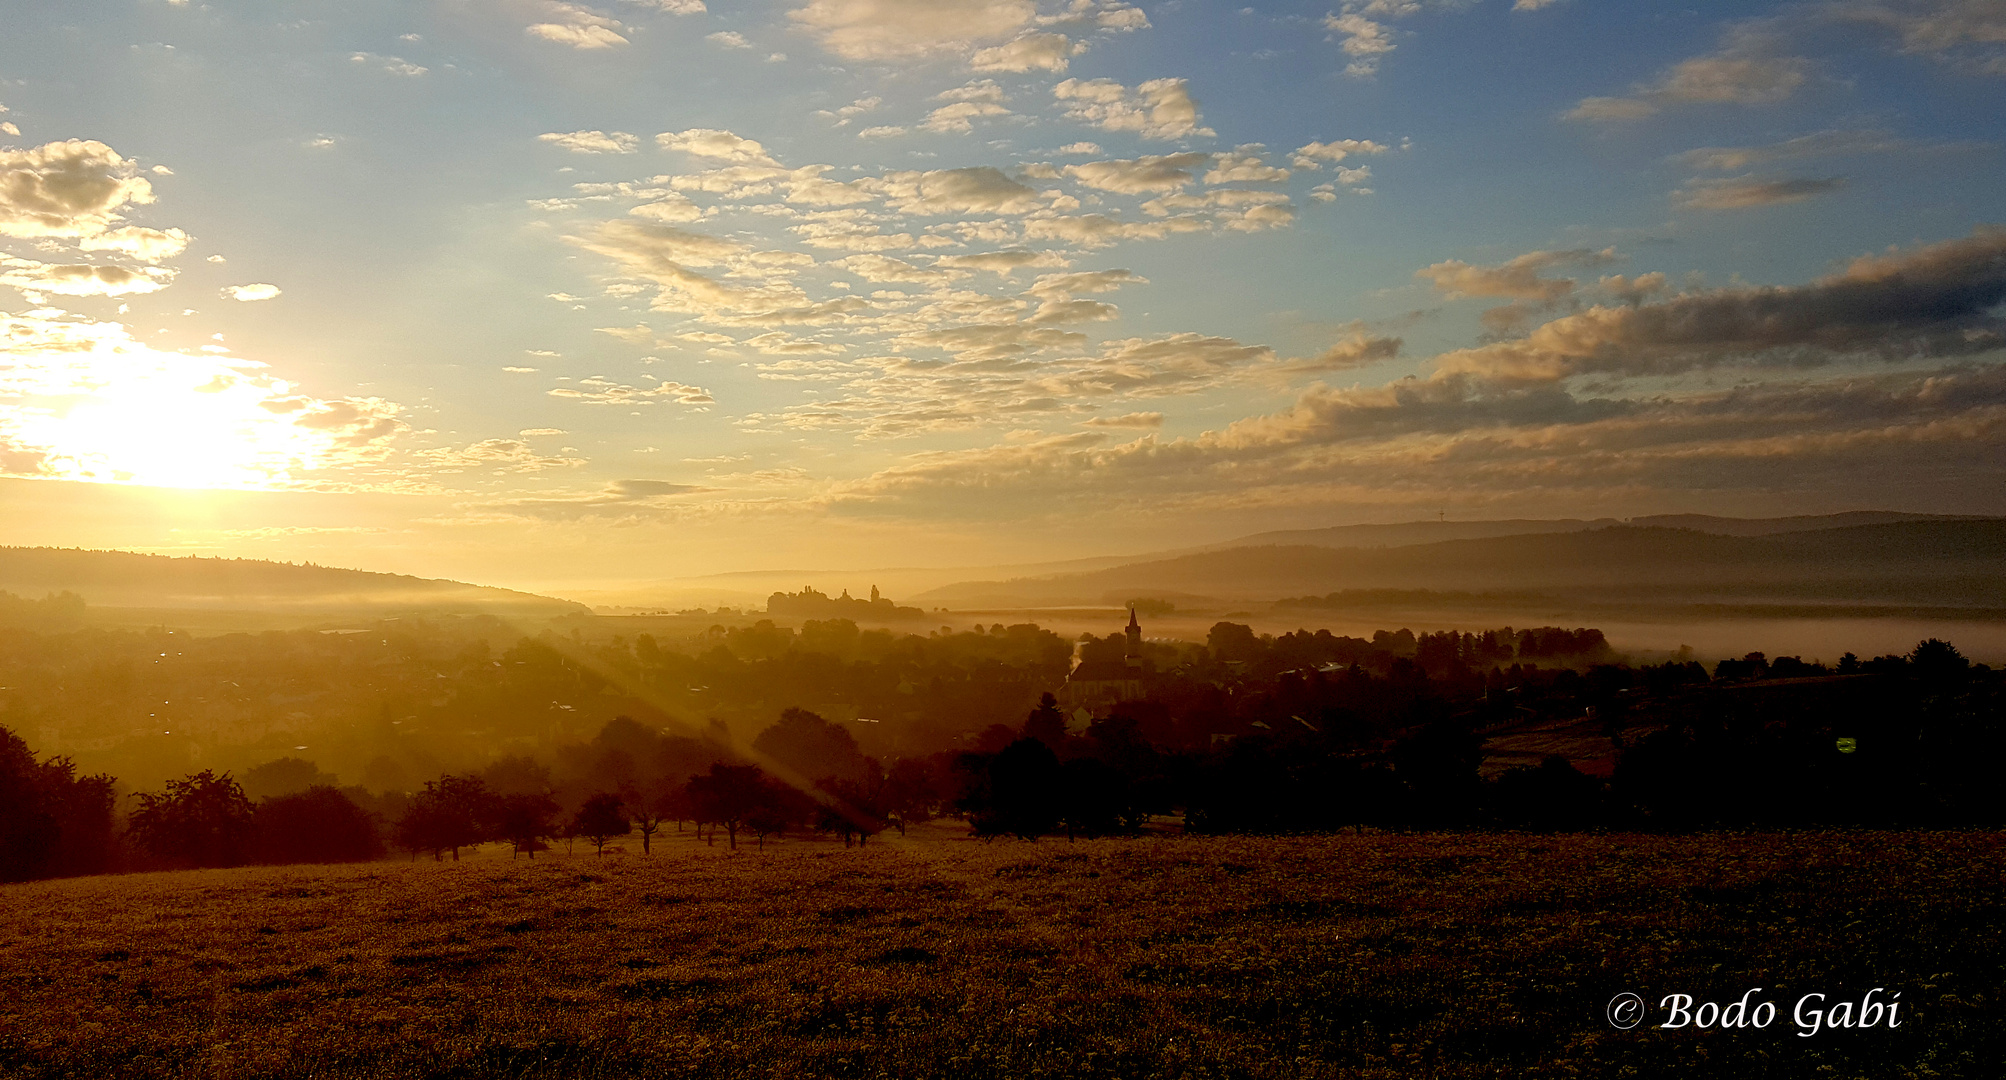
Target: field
(1372,955)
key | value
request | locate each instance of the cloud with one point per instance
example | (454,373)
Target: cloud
(979,190)
(1315,154)
(878,30)
(1830,143)
(673,7)
(395,65)
(599,390)
(578,27)
(1003,263)
(1933,301)
(1245,166)
(728,39)
(247,293)
(146,245)
(1169,172)
(1031,52)
(716,145)
(1744,72)
(1747,192)
(1136,420)
(957,118)
(1965,33)
(494,455)
(1518,279)
(1365,41)
(592,142)
(1157,109)
(74,188)
(1359,349)
(81,279)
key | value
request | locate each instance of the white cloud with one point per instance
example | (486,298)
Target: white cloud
(146,245)
(911,29)
(592,142)
(81,279)
(598,390)
(728,39)
(71,189)
(1032,52)
(1365,41)
(717,145)
(256,291)
(1245,166)
(395,65)
(1315,154)
(1158,109)
(957,119)
(1518,279)
(1169,172)
(578,27)
(673,7)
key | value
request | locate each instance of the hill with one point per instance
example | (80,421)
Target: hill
(1354,957)
(1953,562)
(124,579)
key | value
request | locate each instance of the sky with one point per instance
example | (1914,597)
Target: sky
(564,295)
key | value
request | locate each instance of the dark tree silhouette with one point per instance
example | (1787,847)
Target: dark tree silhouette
(912,793)
(851,809)
(727,795)
(451,813)
(53,823)
(813,747)
(318,825)
(526,820)
(1046,723)
(1016,791)
(600,819)
(202,820)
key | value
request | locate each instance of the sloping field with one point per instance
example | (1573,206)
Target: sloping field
(1372,955)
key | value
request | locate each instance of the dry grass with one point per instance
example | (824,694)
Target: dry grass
(1346,956)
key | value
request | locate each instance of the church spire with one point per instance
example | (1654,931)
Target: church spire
(1133,654)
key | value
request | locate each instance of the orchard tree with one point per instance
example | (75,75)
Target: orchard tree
(202,820)
(526,821)
(600,819)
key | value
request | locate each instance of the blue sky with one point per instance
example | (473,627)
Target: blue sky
(537,291)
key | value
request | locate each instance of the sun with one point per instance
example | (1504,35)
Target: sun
(104,408)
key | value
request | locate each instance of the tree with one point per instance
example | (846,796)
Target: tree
(526,821)
(601,819)
(1046,723)
(851,809)
(284,776)
(813,747)
(727,795)
(911,793)
(202,820)
(648,818)
(451,813)
(53,823)
(1016,790)
(318,825)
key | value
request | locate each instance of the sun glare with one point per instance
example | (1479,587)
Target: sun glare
(119,411)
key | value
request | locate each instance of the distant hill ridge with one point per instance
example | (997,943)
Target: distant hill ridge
(1407,533)
(133,579)
(1942,560)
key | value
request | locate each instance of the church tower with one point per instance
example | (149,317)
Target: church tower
(1133,654)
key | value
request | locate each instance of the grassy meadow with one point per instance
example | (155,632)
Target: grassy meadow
(1371,955)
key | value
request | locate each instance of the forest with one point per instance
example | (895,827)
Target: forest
(1245,733)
